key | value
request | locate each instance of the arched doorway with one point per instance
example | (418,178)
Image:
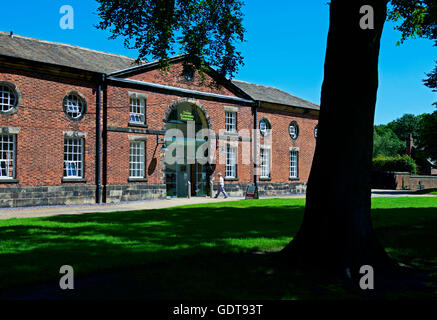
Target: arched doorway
(186,174)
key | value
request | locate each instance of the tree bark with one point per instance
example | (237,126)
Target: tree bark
(337,232)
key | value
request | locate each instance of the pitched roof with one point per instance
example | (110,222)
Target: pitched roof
(273,95)
(101,62)
(62,54)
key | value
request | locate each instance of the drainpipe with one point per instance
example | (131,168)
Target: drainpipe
(255,143)
(98,142)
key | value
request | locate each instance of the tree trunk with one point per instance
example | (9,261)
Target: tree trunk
(337,231)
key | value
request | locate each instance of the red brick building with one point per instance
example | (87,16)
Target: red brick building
(81,126)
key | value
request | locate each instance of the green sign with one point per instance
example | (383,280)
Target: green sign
(186,116)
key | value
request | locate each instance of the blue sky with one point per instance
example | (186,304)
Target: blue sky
(285,48)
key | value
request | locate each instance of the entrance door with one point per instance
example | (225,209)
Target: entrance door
(182,178)
(178,175)
(198,180)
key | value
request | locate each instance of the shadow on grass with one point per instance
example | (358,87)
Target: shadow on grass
(432,191)
(222,251)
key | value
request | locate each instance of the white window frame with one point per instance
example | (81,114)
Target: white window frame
(7,156)
(268,127)
(137,108)
(75,105)
(8,98)
(231,121)
(231,161)
(265,162)
(137,111)
(74,160)
(294,164)
(292,130)
(137,160)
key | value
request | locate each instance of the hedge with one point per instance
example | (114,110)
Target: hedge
(397,163)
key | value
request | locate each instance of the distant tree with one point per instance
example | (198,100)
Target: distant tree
(427,140)
(386,142)
(431,82)
(403,126)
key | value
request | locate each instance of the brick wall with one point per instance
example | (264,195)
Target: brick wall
(281,143)
(174,77)
(42,121)
(411,182)
(157,106)
(159,103)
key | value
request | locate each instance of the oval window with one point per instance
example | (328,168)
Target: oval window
(9,97)
(75,105)
(264,126)
(293,130)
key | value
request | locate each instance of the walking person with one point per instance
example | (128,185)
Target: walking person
(221,186)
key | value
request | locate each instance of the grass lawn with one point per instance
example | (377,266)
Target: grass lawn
(214,251)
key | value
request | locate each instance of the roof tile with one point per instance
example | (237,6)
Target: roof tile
(62,54)
(273,95)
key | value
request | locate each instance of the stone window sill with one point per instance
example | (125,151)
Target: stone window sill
(265,179)
(231,178)
(231,133)
(73,180)
(140,125)
(137,180)
(9,181)
(293,178)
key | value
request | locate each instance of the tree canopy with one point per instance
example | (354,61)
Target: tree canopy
(418,19)
(206,30)
(386,142)
(403,126)
(427,141)
(389,140)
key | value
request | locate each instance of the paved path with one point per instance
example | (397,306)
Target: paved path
(123,206)
(35,212)
(398,193)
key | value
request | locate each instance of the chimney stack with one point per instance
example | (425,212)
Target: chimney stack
(409,146)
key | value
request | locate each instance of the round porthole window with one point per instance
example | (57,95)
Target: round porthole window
(75,105)
(264,126)
(293,130)
(9,97)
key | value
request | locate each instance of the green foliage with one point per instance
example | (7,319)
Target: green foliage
(205,30)
(389,140)
(403,126)
(417,18)
(431,82)
(398,163)
(386,142)
(427,141)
